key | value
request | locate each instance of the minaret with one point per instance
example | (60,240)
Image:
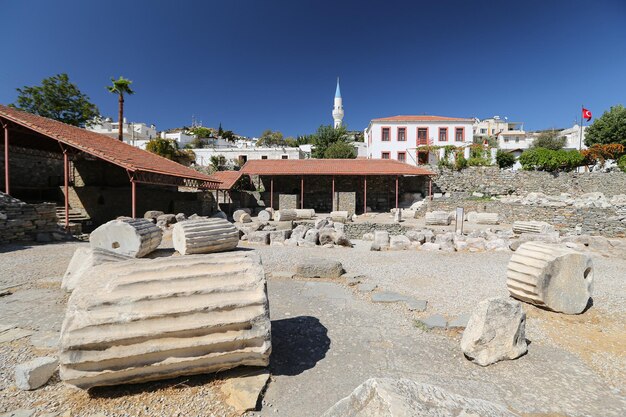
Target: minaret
(338,108)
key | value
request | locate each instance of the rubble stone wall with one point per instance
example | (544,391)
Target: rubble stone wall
(494,181)
(22,221)
(345,201)
(357,230)
(593,220)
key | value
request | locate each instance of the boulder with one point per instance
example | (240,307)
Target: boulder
(416,236)
(164,220)
(319,268)
(260,237)
(312,236)
(445,241)
(35,373)
(180,217)
(144,320)
(387,397)
(551,276)
(428,246)
(321,223)
(327,235)
(399,243)
(152,215)
(495,331)
(130,237)
(204,236)
(83,260)
(532,227)
(299,232)
(342,240)
(285,215)
(437,218)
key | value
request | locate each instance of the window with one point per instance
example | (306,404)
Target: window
(263,156)
(243,159)
(459,134)
(385,134)
(402,156)
(284,157)
(422,136)
(483,131)
(443,134)
(401,134)
(385,155)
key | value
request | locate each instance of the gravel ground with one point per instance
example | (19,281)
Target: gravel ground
(451,283)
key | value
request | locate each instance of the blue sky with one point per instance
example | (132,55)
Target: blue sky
(255,65)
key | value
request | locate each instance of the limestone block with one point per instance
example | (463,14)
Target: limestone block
(339,216)
(304,214)
(35,373)
(327,235)
(264,216)
(242,216)
(131,237)
(83,260)
(339,227)
(259,237)
(368,236)
(428,246)
(279,236)
(285,215)
(552,276)
(532,227)
(152,215)
(320,223)
(387,397)
(400,242)
(342,240)
(535,237)
(299,231)
(437,218)
(204,236)
(144,320)
(495,331)
(282,225)
(166,219)
(312,236)
(397,216)
(381,238)
(319,268)
(487,218)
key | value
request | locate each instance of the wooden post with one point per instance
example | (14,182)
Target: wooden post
(302,192)
(365,194)
(272,192)
(6,160)
(430,188)
(133,198)
(66,180)
(332,204)
(396,192)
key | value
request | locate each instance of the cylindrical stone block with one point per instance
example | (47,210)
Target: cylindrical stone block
(532,227)
(552,276)
(339,216)
(285,215)
(204,236)
(241,216)
(264,216)
(305,214)
(437,218)
(130,237)
(487,218)
(145,320)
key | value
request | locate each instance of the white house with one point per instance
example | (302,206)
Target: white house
(178,136)
(495,125)
(234,155)
(398,137)
(135,133)
(572,137)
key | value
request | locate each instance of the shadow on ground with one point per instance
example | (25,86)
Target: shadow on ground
(298,344)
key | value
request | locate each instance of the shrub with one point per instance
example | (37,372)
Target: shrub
(476,162)
(505,159)
(541,159)
(460,162)
(622,163)
(340,150)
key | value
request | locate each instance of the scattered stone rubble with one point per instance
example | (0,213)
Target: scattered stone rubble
(587,200)
(35,373)
(149,319)
(551,276)
(495,332)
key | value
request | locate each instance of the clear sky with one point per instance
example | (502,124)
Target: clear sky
(255,65)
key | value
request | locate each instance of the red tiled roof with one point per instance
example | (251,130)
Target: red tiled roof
(102,146)
(228,178)
(423,118)
(331,167)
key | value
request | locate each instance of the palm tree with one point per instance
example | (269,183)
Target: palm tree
(120,87)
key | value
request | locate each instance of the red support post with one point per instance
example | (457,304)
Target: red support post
(332,205)
(301,192)
(6,160)
(365,195)
(272,192)
(396,193)
(133,187)
(66,180)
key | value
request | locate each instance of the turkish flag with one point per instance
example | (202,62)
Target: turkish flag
(586,114)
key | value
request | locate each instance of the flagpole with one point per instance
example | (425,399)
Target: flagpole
(580,138)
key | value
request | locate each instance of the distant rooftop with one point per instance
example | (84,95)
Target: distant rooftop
(422,118)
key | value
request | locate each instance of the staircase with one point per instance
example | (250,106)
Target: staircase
(77,219)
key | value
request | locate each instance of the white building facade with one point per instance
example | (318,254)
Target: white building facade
(399,137)
(239,156)
(135,133)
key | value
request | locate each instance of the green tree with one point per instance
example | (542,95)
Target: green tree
(59,99)
(505,159)
(220,131)
(169,149)
(217,161)
(608,128)
(541,159)
(121,87)
(326,136)
(228,135)
(549,140)
(340,150)
(271,138)
(291,142)
(201,132)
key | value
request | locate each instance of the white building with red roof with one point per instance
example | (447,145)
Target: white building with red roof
(405,138)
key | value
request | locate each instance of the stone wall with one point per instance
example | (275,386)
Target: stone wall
(288,201)
(345,201)
(493,181)
(592,220)
(357,230)
(21,221)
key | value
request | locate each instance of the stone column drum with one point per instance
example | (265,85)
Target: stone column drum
(551,276)
(264,216)
(437,218)
(204,236)
(304,214)
(532,227)
(83,260)
(131,237)
(285,215)
(144,320)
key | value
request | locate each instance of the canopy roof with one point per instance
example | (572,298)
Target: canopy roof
(146,166)
(228,178)
(331,167)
